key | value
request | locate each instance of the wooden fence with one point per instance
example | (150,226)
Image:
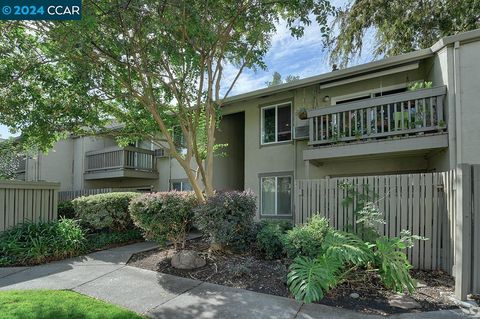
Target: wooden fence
(69,195)
(27,201)
(442,206)
(421,203)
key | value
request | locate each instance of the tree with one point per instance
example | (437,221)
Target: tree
(9,160)
(399,26)
(277,79)
(143,66)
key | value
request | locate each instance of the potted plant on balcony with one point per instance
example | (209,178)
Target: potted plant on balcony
(302,113)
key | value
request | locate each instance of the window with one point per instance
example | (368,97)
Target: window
(276,195)
(276,123)
(179,140)
(181,186)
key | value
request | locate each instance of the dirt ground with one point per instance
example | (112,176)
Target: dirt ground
(250,271)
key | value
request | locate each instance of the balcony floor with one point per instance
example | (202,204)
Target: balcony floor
(120,173)
(398,145)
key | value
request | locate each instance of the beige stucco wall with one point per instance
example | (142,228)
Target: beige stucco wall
(287,157)
(467,77)
(54,166)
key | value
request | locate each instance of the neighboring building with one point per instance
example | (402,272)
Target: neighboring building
(362,120)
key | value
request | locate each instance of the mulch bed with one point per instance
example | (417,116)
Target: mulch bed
(250,271)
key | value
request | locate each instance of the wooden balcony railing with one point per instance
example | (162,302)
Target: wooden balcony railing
(397,114)
(116,158)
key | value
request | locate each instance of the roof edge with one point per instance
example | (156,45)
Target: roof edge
(358,69)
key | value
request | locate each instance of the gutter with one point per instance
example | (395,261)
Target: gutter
(374,66)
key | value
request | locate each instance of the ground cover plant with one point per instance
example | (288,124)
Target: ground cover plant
(33,243)
(58,304)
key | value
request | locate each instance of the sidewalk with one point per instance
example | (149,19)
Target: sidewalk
(105,275)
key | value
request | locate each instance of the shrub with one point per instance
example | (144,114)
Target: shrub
(103,240)
(306,240)
(270,238)
(105,211)
(66,210)
(32,243)
(227,219)
(309,279)
(164,216)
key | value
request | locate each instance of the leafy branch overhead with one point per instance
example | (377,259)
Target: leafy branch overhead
(397,26)
(138,69)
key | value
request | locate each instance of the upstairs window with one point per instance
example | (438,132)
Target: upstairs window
(276,123)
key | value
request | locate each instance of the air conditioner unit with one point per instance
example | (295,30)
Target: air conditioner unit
(302,132)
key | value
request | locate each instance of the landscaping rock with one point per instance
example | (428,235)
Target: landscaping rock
(187,259)
(404,302)
(354,295)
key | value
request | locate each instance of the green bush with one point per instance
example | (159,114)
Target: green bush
(270,238)
(66,210)
(33,243)
(227,219)
(306,240)
(164,216)
(103,240)
(105,211)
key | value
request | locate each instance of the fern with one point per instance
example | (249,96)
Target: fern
(347,248)
(309,279)
(394,265)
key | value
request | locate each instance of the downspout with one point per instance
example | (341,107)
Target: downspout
(458,104)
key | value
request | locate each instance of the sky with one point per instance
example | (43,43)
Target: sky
(302,57)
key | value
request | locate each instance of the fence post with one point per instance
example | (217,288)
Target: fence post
(476,229)
(463,231)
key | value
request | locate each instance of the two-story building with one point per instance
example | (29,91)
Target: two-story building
(370,119)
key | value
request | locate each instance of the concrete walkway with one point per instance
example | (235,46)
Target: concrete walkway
(105,275)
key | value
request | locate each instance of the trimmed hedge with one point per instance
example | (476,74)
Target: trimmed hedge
(164,216)
(227,218)
(105,211)
(33,243)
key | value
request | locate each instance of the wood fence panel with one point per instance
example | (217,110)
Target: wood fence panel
(27,201)
(422,203)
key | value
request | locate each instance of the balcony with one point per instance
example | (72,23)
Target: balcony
(409,121)
(116,162)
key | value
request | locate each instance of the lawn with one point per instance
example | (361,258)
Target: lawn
(39,304)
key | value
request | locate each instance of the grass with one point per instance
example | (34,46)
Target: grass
(58,304)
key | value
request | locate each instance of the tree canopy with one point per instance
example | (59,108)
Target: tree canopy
(399,26)
(277,79)
(142,67)
(9,159)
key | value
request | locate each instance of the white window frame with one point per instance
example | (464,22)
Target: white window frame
(276,195)
(181,181)
(262,122)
